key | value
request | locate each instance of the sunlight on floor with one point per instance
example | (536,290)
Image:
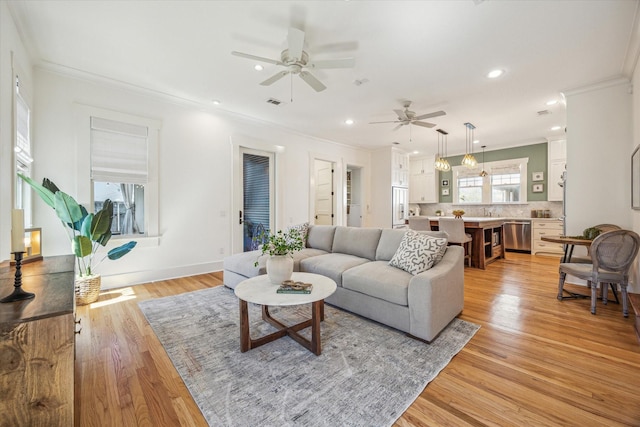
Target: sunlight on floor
(125,295)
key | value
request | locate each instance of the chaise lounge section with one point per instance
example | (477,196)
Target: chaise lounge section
(357,259)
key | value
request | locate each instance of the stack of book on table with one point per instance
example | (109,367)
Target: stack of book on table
(291,287)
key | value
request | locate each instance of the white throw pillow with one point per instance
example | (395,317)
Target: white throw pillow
(418,252)
(303,229)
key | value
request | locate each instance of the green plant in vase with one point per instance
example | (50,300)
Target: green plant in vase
(280,246)
(87,231)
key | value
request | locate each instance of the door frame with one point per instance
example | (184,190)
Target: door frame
(361,192)
(338,182)
(236,193)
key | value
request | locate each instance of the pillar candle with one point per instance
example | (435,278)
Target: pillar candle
(17,230)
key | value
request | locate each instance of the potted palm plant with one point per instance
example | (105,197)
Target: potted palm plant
(279,247)
(87,233)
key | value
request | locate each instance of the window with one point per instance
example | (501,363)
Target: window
(504,183)
(119,153)
(22,150)
(119,167)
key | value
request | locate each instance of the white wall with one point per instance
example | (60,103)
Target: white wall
(197,210)
(11,50)
(599,145)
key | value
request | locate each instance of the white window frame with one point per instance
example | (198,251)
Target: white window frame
(463,171)
(151,188)
(22,152)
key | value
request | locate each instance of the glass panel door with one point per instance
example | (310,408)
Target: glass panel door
(257,196)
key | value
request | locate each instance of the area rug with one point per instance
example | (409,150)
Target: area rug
(367,375)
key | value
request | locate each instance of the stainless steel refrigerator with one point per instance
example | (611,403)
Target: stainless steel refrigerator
(400,206)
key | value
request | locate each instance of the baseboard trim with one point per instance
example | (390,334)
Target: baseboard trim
(148,276)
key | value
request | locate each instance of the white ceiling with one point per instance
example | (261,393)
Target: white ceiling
(435,53)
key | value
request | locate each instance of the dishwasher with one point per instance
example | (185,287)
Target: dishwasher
(517,235)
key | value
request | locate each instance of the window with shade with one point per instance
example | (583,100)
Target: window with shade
(119,172)
(22,149)
(505,182)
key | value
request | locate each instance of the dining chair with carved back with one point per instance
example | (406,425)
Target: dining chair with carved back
(612,254)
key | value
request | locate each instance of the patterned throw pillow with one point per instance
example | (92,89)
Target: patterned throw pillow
(303,229)
(418,252)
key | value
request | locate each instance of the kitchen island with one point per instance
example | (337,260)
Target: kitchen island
(487,234)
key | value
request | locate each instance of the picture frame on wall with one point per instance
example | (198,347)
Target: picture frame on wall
(445,191)
(538,188)
(445,182)
(537,176)
(635,178)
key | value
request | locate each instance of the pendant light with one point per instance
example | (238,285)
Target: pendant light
(483,173)
(468,160)
(441,162)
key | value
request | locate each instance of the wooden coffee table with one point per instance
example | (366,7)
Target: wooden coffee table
(259,290)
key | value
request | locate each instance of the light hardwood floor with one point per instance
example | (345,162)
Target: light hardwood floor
(535,361)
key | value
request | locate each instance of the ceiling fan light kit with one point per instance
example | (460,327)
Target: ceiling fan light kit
(297,61)
(468,160)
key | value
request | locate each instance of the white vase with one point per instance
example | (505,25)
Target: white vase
(279,268)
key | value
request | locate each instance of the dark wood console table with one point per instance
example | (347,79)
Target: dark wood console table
(37,345)
(488,239)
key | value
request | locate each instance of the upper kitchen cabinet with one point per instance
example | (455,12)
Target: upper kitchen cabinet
(557,161)
(423,184)
(399,168)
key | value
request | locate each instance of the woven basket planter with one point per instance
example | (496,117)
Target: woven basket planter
(87,289)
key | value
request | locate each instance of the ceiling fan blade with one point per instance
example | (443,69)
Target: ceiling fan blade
(394,121)
(271,80)
(312,81)
(333,63)
(398,127)
(295,40)
(430,115)
(401,114)
(423,124)
(257,58)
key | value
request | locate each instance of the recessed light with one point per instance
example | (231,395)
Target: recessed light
(556,128)
(416,152)
(476,141)
(258,67)
(552,102)
(495,74)
(348,121)
(216,102)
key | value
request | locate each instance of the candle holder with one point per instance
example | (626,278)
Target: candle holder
(18,294)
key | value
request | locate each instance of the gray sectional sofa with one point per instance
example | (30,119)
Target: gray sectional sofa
(358,260)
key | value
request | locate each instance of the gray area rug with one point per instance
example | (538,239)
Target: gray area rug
(367,375)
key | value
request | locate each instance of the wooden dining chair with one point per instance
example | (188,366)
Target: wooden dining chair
(455,229)
(612,254)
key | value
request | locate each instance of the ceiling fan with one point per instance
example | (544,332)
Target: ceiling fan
(408,117)
(296,61)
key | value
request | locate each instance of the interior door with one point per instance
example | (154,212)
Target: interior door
(257,186)
(324,192)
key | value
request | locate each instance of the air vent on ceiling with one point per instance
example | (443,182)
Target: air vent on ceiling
(273,101)
(543,112)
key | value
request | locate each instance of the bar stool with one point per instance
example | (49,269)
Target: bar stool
(455,229)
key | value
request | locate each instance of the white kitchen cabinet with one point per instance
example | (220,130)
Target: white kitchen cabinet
(422,182)
(399,168)
(557,160)
(541,227)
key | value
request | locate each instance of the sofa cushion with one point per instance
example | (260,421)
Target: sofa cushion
(380,280)
(361,242)
(418,252)
(390,241)
(305,253)
(321,237)
(244,263)
(331,265)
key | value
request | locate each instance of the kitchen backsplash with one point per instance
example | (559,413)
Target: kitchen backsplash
(505,211)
